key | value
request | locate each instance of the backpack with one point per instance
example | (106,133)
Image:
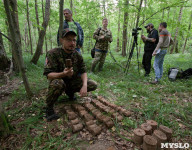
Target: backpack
(175,73)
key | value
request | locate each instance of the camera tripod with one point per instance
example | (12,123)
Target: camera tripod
(131,53)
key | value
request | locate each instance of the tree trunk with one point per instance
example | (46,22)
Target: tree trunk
(168,14)
(145,4)
(4,60)
(16,40)
(50,37)
(42,33)
(26,39)
(189,28)
(42,7)
(124,42)
(14,55)
(2,48)
(46,47)
(177,30)
(71,5)
(60,17)
(163,14)
(119,26)
(37,15)
(104,13)
(8,34)
(29,28)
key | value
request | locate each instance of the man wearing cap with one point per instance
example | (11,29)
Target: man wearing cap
(150,44)
(75,26)
(63,79)
(103,37)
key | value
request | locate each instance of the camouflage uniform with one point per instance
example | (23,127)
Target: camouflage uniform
(55,62)
(101,47)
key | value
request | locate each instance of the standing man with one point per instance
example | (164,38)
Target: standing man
(150,44)
(102,36)
(63,79)
(75,26)
(160,51)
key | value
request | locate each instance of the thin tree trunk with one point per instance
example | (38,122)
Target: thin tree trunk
(71,5)
(177,30)
(119,26)
(46,47)
(163,13)
(50,37)
(104,13)
(26,39)
(145,4)
(37,16)
(34,34)
(4,60)
(189,28)
(16,39)
(60,17)
(168,14)
(124,42)
(2,48)
(42,7)
(29,28)
(8,34)
(42,33)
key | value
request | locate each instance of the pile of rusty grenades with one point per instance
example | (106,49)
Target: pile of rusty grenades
(149,136)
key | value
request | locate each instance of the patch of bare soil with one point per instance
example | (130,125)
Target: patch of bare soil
(7,89)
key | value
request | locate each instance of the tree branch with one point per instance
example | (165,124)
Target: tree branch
(6,36)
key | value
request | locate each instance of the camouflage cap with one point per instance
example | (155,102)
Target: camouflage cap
(149,24)
(67,31)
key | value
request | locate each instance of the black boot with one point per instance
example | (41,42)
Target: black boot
(50,114)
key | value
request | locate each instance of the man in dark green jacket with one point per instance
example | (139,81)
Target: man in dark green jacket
(75,26)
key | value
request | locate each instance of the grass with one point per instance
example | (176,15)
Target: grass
(169,103)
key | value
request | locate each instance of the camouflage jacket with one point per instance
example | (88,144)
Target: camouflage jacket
(55,62)
(102,44)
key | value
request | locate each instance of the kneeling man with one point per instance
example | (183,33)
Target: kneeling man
(63,79)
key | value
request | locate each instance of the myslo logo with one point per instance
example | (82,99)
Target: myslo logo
(175,145)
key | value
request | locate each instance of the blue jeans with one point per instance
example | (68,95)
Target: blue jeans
(78,49)
(158,64)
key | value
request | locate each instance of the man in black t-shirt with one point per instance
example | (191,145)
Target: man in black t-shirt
(150,44)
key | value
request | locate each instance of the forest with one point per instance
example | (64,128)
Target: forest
(124,96)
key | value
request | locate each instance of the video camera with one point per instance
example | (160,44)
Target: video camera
(135,31)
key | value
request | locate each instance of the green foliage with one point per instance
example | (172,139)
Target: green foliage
(90,13)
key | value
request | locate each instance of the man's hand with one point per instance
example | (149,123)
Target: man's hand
(102,37)
(154,53)
(143,38)
(68,72)
(83,91)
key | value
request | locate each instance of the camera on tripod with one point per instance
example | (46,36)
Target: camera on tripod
(135,31)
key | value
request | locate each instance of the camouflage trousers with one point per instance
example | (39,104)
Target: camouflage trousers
(99,58)
(58,86)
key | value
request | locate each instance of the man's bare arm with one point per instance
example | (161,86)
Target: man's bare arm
(84,79)
(59,75)
(83,91)
(151,40)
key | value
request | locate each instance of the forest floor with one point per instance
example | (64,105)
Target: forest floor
(168,103)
